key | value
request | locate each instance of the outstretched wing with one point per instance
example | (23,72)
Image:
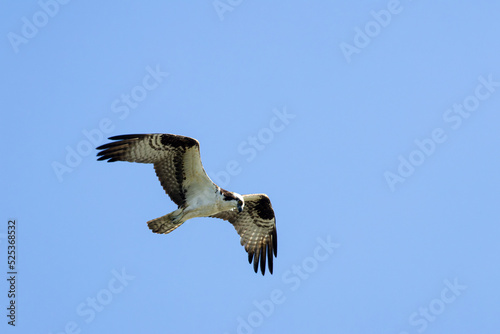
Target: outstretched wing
(176,160)
(256,226)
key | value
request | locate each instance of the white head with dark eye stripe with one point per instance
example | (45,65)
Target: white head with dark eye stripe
(233,201)
(240,203)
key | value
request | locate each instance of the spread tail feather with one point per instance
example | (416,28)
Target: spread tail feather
(166,224)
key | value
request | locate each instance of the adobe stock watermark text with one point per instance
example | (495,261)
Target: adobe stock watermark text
(292,279)
(93,305)
(253,145)
(427,314)
(453,118)
(31,26)
(364,35)
(121,107)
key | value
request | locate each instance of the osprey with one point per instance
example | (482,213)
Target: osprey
(176,160)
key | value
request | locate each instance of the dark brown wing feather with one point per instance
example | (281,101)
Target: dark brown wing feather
(256,225)
(174,158)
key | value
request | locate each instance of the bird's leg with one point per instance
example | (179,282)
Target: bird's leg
(176,216)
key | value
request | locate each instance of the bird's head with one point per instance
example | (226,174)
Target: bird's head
(234,200)
(240,203)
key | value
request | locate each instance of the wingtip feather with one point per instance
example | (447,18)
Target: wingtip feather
(256,260)
(270,258)
(263,260)
(275,242)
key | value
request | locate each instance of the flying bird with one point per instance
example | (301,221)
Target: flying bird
(176,160)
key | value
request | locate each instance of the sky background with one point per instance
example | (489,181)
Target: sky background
(372,126)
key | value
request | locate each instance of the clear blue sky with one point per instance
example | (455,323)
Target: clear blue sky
(372,126)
